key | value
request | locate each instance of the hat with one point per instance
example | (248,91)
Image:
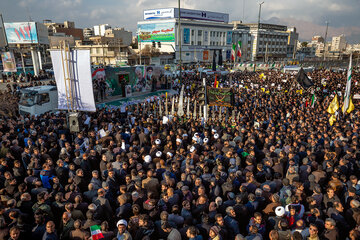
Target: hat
(158,153)
(213,130)
(196,135)
(206,140)
(157,141)
(121,222)
(192,149)
(215,229)
(216,135)
(194,138)
(169,153)
(279,211)
(147,158)
(179,140)
(185,135)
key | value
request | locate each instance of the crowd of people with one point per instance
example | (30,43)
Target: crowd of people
(270,167)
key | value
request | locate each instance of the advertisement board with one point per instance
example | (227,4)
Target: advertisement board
(220,97)
(21,32)
(205,55)
(8,61)
(229,37)
(159,13)
(158,32)
(185,13)
(186,38)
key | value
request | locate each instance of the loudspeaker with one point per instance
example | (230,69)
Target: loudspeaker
(74,122)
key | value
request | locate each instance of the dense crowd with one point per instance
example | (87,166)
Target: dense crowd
(271,167)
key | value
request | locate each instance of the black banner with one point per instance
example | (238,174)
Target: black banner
(303,79)
(223,97)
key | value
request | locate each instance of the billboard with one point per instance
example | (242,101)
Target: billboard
(159,13)
(205,55)
(158,32)
(185,13)
(186,37)
(220,97)
(8,61)
(21,32)
(229,37)
(79,71)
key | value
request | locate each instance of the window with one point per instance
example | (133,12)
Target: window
(43,98)
(192,42)
(220,34)
(192,32)
(199,43)
(217,35)
(199,33)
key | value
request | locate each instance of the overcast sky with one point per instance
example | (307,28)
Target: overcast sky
(342,15)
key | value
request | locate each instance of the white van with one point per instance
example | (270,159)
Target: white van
(38,100)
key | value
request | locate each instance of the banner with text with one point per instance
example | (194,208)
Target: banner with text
(223,97)
(8,62)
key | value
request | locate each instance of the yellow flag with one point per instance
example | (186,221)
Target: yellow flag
(300,91)
(261,76)
(267,92)
(350,108)
(263,89)
(332,119)
(334,105)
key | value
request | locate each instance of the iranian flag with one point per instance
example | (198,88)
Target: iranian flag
(313,100)
(239,49)
(96,232)
(233,49)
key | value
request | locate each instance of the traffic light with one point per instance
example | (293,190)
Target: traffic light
(153,44)
(159,44)
(201,96)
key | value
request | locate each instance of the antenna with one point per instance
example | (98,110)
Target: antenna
(28,12)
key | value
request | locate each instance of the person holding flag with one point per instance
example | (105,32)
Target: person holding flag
(333,107)
(216,83)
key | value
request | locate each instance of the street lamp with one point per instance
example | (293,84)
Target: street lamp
(179,37)
(257,43)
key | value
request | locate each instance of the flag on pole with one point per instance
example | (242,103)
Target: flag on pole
(313,100)
(334,105)
(239,49)
(350,108)
(216,83)
(96,232)
(233,49)
(348,88)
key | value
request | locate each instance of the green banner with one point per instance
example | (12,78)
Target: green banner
(220,97)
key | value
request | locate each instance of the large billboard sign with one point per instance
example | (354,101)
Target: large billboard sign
(158,32)
(8,62)
(21,32)
(185,13)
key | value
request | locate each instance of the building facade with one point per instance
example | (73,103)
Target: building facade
(201,34)
(68,28)
(293,38)
(88,32)
(269,42)
(338,43)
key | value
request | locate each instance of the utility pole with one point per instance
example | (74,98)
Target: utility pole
(327,26)
(179,39)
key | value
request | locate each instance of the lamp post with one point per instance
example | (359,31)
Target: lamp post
(327,26)
(179,39)
(258,35)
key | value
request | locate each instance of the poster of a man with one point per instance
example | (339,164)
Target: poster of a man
(140,82)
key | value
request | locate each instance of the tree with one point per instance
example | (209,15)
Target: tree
(304,44)
(150,51)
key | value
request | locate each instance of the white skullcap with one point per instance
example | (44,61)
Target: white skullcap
(279,211)
(147,159)
(158,154)
(157,141)
(192,149)
(216,135)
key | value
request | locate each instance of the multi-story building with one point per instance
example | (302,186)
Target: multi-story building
(99,30)
(119,33)
(68,28)
(105,50)
(201,34)
(338,43)
(317,39)
(269,41)
(292,41)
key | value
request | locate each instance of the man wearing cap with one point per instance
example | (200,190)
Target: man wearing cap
(122,234)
